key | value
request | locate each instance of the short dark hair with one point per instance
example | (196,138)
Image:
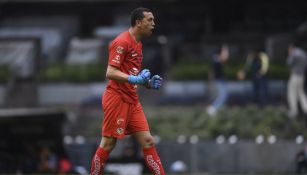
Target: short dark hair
(137,14)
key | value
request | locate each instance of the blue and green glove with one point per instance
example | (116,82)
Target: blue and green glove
(155,82)
(142,78)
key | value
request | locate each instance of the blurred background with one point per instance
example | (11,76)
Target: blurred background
(53,57)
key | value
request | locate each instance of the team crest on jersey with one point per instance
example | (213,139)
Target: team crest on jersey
(120,49)
(120,130)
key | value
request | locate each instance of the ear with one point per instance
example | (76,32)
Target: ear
(138,22)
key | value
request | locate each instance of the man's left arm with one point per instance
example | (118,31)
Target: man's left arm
(155,82)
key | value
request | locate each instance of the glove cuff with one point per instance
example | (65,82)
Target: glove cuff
(132,79)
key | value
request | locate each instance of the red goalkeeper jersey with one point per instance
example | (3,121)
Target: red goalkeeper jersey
(125,54)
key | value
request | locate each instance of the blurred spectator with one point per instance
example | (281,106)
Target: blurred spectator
(218,77)
(301,161)
(297,61)
(48,161)
(258,63)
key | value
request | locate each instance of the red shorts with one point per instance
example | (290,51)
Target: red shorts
(121,118)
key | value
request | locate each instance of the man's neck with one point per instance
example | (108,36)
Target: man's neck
(134,34)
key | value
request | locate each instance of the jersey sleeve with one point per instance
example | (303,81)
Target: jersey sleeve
(117,51)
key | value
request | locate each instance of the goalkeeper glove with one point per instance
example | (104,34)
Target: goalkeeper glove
(155,82)
(142,78)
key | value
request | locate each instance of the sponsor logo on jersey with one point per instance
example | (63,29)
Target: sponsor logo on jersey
(136,56)
(116,59)
(120,49)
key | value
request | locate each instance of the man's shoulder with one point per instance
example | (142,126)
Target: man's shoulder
(122,37)
(121,40)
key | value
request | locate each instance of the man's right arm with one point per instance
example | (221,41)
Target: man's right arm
(115,74)
(291,60)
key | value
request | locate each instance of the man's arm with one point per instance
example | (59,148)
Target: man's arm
(291,60)
(114,73)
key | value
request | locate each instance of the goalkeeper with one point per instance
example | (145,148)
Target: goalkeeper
(123,113)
